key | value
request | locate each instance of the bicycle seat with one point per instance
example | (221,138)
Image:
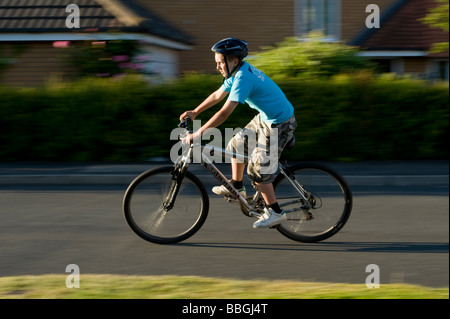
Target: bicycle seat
(290,145)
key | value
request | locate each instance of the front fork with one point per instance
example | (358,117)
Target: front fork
(179,170)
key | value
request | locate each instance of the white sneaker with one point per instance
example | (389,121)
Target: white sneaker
(222,191)
(269,218)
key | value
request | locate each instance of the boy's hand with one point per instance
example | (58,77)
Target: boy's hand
(188,139)
(190,114)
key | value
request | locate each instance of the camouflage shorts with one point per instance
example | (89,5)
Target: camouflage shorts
(263,143)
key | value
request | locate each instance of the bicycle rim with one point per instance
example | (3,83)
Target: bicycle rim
(144,207)
(331,202)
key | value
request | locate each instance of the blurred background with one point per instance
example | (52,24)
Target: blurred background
(112,89)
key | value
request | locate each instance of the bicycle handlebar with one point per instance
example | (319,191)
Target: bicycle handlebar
(185,123)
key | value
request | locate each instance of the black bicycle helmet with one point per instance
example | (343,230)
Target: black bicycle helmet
(231,47)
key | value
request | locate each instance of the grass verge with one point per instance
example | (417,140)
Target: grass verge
(189,287)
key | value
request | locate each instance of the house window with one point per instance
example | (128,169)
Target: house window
(318,15)
(443,70)
(438,70)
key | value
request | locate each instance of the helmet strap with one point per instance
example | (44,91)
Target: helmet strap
(228,69)
(229,74)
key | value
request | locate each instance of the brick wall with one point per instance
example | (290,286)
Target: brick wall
(261,23)
(258,22)
(37,63)
(353,15)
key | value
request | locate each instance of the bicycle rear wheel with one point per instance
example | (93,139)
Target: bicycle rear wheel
(146,209)
(328,206)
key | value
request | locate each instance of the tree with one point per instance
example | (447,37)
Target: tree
(309,58)
(438,18)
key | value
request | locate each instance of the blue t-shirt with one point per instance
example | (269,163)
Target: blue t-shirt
(249,85)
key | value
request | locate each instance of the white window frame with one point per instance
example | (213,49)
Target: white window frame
(318,15)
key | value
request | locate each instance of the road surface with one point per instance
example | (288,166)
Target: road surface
(402,229)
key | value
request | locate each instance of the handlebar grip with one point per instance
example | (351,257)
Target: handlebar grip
(185,123)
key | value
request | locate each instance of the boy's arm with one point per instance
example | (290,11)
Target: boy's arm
(215,121)
(210,101)
(217,118)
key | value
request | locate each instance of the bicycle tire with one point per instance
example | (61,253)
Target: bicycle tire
(143,201)
(332,206)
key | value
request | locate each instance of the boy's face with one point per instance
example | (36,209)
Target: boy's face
(221,65)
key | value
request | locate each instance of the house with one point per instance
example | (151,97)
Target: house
(400,45)
(35,33)
(30,30)
(403,42)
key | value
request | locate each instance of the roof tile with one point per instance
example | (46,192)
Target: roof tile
(50,16)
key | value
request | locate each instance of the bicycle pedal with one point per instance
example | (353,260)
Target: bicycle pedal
(254,214)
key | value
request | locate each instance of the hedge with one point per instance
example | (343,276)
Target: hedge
(341,118)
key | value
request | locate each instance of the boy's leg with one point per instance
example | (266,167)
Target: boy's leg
(267,193)
(237,170)
(239,145)
(284,133)
(274,214)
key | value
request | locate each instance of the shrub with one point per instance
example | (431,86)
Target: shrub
(342,118)
(310,58)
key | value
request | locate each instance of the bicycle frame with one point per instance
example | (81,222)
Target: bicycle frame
(197,148)
(194,150)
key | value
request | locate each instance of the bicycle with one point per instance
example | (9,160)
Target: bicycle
(170,204)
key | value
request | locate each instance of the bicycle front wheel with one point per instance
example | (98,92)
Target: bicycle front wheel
(327,208)
(147,211)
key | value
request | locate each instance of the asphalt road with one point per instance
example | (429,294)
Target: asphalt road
(402,229)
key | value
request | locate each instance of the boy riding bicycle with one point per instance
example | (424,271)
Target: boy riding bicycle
(244,83)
